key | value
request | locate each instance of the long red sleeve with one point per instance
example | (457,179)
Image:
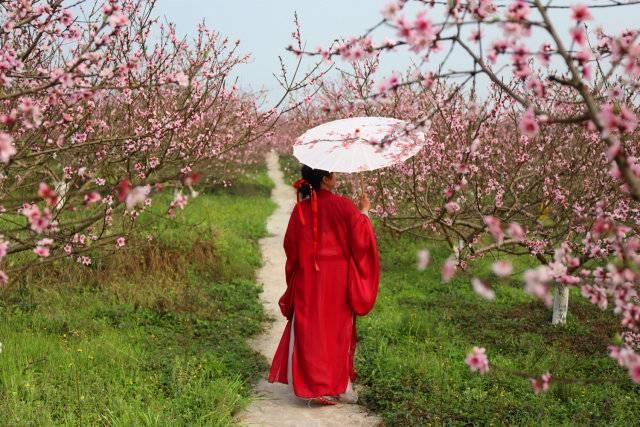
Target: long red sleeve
(291,251)
(364,268)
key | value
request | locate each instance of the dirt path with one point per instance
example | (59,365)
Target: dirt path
(274,406)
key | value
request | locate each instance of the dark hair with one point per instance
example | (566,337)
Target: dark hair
(313,177)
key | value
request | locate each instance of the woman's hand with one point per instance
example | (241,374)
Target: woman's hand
(364,204)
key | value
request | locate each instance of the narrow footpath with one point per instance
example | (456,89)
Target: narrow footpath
(273,405)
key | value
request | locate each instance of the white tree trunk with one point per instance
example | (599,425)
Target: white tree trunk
(560,305)
(457,248)
(61,189)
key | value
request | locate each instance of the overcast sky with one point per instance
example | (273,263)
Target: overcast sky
(264,28)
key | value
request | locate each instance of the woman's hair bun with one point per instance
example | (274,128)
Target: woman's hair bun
(313,177)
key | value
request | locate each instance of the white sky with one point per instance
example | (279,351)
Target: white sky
(264,28)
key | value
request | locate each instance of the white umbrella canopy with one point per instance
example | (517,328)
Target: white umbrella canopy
(358,144)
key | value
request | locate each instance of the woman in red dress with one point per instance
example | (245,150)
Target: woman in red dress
(332,273)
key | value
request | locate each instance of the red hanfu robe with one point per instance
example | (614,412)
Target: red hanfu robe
(326,288)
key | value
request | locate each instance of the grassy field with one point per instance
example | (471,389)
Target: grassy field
(153,335)
(156,334)
(412,349)
(413,344)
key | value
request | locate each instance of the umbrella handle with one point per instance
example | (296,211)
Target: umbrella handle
(363,194)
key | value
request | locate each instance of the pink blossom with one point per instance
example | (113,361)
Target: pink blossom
(544,56)
(427,80)
(404,28)
(516,30)
(617,118)
(66,18)
(625,356)
(39,220)
(422,259)
(326,55)
(583,56)
(580,13)
(536,384)
(502,268)
(477,360)
(85,260)
(182,79)
(423,25)
(596,295)
(117,20)
(181,200)
(578,35)
(536,283)
(46,193)
(476,36)
(634,372)
(42,251)
(482,9)
(7,149)
(423,34)
(494,228)
(616,92)
(26,105)
(520,55)
(92,197)
(120,241)
(42,248)
(518,10)
(528,124)
(452,207)
(4,247)
(389,83)
(537,86)
(483,290)
(9,119)
(448,269)
(108,9)
(45,242)
(515,231)
(630,315)
(542,383)
(627,120)
(390,10)
(497,47)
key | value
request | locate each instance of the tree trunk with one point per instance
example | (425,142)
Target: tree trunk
(61,189)
(457,248)
(560,305)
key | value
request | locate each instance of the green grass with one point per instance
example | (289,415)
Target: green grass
(413,345)
(153,335)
